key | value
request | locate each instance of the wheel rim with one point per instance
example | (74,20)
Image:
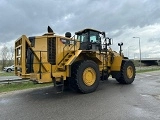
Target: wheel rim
(89,76)
(130,72)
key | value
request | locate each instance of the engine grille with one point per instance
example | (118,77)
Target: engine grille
(51,48)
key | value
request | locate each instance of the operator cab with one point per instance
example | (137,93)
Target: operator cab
(90,39)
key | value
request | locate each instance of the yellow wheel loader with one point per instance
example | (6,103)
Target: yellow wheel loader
(80,61)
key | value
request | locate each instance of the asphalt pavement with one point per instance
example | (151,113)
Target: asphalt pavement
(111,101)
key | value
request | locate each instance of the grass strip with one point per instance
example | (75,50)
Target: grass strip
(27,85)
(6,74)
(147,70)
(20,86)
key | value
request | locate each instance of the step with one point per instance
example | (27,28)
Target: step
(72,52)
(62,64)
(59,86)
(61,67)
(66,59)
(69,55)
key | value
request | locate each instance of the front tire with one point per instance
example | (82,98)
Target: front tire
(127,73)
(85,76)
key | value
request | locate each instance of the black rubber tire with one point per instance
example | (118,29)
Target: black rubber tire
(72,82)
(124,79)
(76,81)
(9,70)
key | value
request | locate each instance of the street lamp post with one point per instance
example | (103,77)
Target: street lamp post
(139,50)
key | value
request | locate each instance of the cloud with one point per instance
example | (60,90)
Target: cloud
(149,40)
(120,19)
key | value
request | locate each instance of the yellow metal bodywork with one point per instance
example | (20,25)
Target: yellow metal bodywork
(66,55)
(116,65)
(20,47)
(43,71)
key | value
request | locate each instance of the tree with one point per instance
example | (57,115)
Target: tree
(11,56)
(7,56)
(4,54)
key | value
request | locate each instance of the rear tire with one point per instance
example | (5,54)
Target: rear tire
(127,72)
(85,76)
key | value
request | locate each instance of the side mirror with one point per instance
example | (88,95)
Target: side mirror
(120,44)
(104,34)
(110,41)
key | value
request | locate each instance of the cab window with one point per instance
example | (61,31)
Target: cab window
(94,37)
(83,37)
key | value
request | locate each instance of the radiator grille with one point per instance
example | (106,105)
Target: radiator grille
(51,48)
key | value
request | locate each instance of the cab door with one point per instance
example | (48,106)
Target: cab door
(90,40)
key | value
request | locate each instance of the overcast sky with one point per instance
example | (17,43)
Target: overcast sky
(120,19)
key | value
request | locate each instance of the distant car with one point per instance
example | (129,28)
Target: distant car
(9,68)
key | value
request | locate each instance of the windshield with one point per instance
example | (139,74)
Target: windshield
(83,37)
(90,36)
(94,37)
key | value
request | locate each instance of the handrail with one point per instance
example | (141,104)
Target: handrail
(74,44)
(69,49)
